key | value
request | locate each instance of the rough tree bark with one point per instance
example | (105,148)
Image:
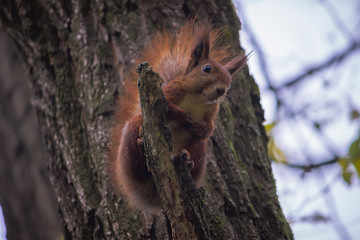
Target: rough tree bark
(26,195)
(77,53)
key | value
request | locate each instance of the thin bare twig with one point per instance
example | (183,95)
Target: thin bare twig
(309,167)
(336,58)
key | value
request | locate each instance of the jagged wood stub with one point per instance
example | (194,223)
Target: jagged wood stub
(172,177)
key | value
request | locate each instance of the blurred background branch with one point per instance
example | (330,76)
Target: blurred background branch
(306,61)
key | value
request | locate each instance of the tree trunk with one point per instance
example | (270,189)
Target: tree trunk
(26,195)
(77,54)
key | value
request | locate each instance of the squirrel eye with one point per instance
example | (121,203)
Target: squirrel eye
(207,68)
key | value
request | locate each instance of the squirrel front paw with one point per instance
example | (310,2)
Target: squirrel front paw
(184,154)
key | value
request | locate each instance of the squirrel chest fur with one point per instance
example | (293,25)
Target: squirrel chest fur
(196,80)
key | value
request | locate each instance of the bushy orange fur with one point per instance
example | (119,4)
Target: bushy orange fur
(193,94)
(169,53)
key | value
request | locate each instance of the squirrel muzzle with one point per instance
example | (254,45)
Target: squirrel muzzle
(215,93)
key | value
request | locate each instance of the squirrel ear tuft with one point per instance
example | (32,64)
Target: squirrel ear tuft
(235,64)
(201,51)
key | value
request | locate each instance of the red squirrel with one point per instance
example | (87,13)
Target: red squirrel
(196,80)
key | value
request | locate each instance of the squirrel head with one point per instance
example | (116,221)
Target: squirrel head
(207,77)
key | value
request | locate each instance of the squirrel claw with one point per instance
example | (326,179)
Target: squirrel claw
(186,155)
(140,141)
(140,131)
(190,165)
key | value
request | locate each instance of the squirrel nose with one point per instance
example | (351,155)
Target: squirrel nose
(220,91)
